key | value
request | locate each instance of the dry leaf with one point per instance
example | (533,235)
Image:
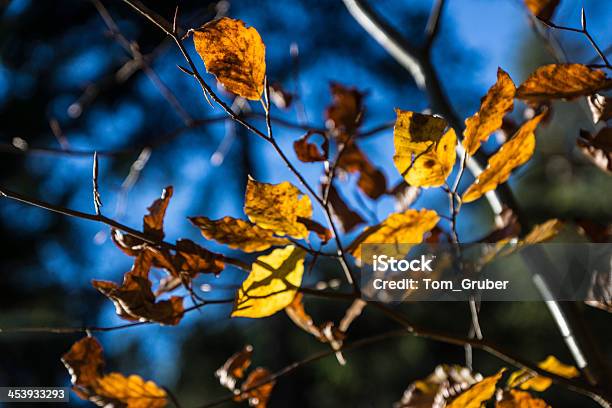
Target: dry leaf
(543,9)
(323,233)
(600,291)
(238,234)
(601,107)
(514,153)
(478,394)
(562,81)
(153,223)
(424,153)
(405,195)
(540,383)
(280,97)
(296,312)
(233,53)
(498,101)
(348,218)
(520,399)
(134,299)
(597,148)
(345,114)
(408,227)
(85,363)
(277,207)
(192,259)
(234,368)
(272,283)
(309,152)
(258,397)
(371,180)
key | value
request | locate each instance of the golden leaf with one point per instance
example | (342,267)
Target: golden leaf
(277,207)
(424,153)
(497,102)
(85,362)
(257,388)
(515,152)
(520,399)
(479,393)
(562,81)
(233,53)
(543,232)
(543,9)
(540,383)
(272,283)
(401,228)
(238,234)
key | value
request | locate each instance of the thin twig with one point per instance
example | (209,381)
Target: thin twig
(433,24)
(96,194)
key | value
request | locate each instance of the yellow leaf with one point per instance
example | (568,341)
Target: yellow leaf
(424,153)
(520,399)
(543,232)
(512,154)
(540,383)
(497,102)
(132,390)
(272,283)
(238,234)
(277,207)
(562,81)
(233,53)
(543,9)
(401,228)
(479,393)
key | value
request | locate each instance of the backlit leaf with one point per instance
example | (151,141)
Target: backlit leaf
(496,103)
(309,152)
(543,9)
(234,368)
(526,381)
(601,107)
(271,284)
(408,227)
(153,223)
(238,234)
(371,180)
(597,148)
(478,394)
(348,218)
(424,153)
(277,207)
(192,259)
(520,399)
(515,152)
(233,53)
(85,363)
(257,388)
(345,113)
(562,81)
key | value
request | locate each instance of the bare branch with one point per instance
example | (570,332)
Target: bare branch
(433,24)
(96,194)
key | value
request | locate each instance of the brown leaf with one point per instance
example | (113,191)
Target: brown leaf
(303,320)
(85,363)
(371,180)
(405,195)
(153,223)
(257,388)
(562,81)
(323,233)
(193,259)
(348,218)
(595,231)
(134,299)
(345,114)
(498,101)
(234,368)
(520,399)
(600,291)
(280,97)
(238,234)
(510,228)
(309,152)
(233,53)
(598,148)
(543,9)
(601,107)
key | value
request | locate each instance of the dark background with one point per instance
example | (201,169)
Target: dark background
(55,54)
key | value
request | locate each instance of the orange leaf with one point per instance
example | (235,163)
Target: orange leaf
(153,223)
(257,388)
(520,399)
(479,393)
(233,53)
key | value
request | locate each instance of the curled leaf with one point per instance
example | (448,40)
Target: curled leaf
(238,234)
(562,81)
(601,107)
(233,53)
(478,394)
(257,388)
(514,153)
(371,180)
(597,148)
(272,283)
(345,114)
(153,223)
(424,153)
(348,218)
(309,152)
(277,207)
(498,101)
(234,368)
(85,363)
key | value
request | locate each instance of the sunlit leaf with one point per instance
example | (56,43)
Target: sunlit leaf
(238,234)
(277,207)
(192,259)
(562,81)
(478,394)
(526,381)
(234,368)
(408,227)
(134,299)
(520,399)
(597,148)
(296,312)
(233,53)
(271,284)
(424,153)
(85,363)
(543,9)
(153,223)
(257,388)
(496,103)
(515,152)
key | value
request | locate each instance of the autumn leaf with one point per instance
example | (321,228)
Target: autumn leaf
(405,195)
(257,388)
(153,223)
(348,218)
(296,312)
(478,394)
(323,233)
(309,152)
(496,103)
(520,399)
(371,180)
(234,368)
(515,152)
(543,9)
(424,153)
(85,363)
(277,207)
(543,232)
(233,53)
(562,81)
(345,113)
(601,107)
(192,259)
(271,284)
(134,299)
(597,148)
(527,381)
(238,234)
(281,98)
(408,227)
